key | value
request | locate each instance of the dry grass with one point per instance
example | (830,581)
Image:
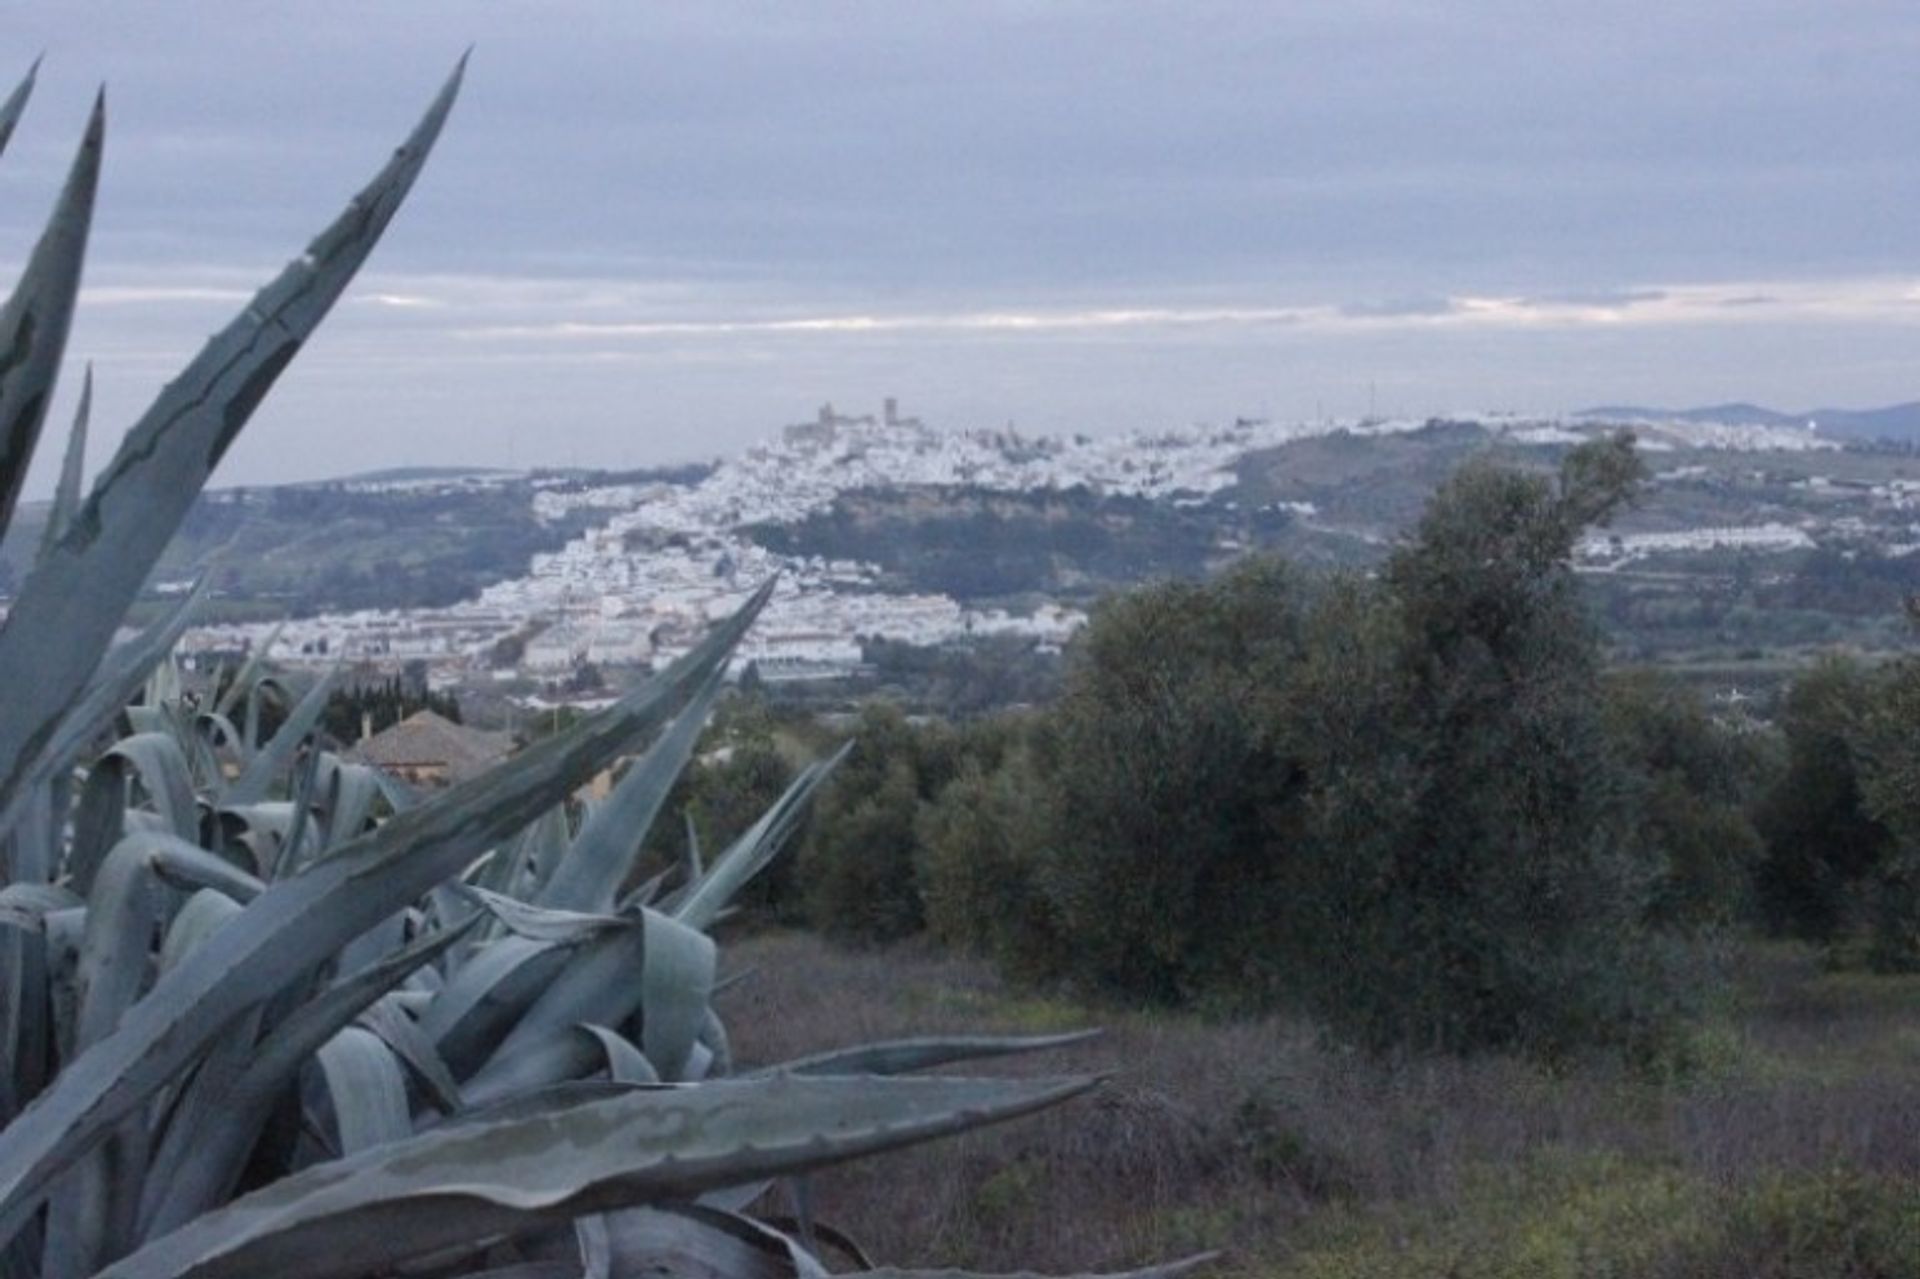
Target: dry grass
(1304,1159)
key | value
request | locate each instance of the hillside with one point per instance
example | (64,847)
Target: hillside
(1753,547)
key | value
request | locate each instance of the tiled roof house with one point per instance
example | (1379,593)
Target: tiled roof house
(428,749)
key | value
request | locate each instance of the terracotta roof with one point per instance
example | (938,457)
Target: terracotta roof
(428,740)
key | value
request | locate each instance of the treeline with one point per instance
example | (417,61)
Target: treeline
(377,705)
(1413,804)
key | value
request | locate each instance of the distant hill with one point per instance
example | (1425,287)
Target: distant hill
(414,475)
(1894,422)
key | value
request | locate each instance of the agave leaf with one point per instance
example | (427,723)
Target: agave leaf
(64,930)
(298,922)
(656,967)
(751,853)
(486,996)
(367,1089)
(245,677)
(102,818)
(599,984)
(66,494)
(120,675)
(694,864)
(26,1034)
(295,845)
(690,1239)
(596,1249)
(25,906)
(124,912)
(206,1146)
(348,793)
(529,856)
(625,1063)
(272,759)
(676,986)
(158,763)
(16,103)
(898,1056)
(536,923)
(459,1182)
(589,877)
(410,1045)
(56,635)
(196,921)
(34,322)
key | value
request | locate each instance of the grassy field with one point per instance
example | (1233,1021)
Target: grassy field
(1790,1147)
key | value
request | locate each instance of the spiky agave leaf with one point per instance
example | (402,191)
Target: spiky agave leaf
(204,1149)
(478,1179)
(66,493)
(755,849)
(272,759)
(901,1056)
(34,322)
(588,878)
(57,631)
(300,921)
(16,103)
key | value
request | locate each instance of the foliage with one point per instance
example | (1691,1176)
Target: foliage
(1699,781)
(965,679)
(1399,802)
(975,543)
(263,1011)
(1475,878)
(979,848)
(375,707)
(1822,842)
(858,861)
(1887,744)
(1156,861)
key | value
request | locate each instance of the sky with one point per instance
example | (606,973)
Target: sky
(656,232)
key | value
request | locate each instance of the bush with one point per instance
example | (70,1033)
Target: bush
(1823,844)
(980,846)
(1700,782)
(1159,867)
(858,861)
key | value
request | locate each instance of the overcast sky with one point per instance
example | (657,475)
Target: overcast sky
(656,232)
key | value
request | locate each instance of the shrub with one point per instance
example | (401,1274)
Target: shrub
(1699,781)
(1157,863)
(980,845)
(1824,845)
(858,861)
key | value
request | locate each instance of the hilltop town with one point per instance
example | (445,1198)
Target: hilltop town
(642,563)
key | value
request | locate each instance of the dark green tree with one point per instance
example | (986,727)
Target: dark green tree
(1822,841)
(1157,864)
(1700,780)
(1473,876)
(857,864)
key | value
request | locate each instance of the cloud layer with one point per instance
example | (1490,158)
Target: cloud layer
(658,231)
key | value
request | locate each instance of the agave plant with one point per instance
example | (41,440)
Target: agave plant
(264,1011)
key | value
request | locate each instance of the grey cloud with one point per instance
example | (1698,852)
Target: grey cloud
(1407,307)
(865,156)
(1599,297)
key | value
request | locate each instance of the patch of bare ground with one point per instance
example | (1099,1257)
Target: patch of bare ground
(1791,1143)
